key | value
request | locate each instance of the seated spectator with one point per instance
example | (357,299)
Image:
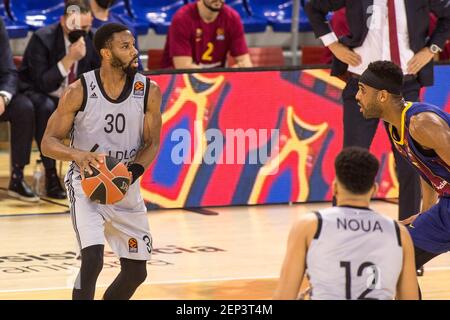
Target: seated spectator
(102,15)
(202,34)
(18,110)
(54,57)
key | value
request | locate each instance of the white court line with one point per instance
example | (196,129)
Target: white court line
(429,269)
(146,283)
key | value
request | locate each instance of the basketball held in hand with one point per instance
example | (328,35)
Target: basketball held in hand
(107,184)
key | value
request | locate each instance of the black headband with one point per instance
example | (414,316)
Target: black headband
(371,79)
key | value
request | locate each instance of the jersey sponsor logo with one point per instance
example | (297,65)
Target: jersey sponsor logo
(138,88)
(442,185)
(94,95)
(124,156)
(358,225)
(220,34)
(92,85)
(132,245)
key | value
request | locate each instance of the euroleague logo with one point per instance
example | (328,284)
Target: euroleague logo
(132,245)
(138,88)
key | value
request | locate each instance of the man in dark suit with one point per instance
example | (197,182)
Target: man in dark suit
(55,56)
(18,110)
(394,30)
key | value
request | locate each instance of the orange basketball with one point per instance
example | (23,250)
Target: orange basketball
(109,183)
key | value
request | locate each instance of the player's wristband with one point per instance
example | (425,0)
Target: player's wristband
(136,170)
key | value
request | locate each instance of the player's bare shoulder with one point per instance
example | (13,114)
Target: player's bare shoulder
(425,126)
(72,97)
(305,226)
(154,86)
(155,90)
(154,97)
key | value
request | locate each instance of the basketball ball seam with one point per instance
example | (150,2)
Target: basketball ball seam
(95,189)
(106,178)
(107,186)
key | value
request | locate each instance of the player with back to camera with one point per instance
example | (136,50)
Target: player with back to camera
(350,251)
(119,110)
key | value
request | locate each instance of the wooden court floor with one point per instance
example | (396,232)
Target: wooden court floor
(234,255)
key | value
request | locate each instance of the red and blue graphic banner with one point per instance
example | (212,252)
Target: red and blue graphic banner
(239,138)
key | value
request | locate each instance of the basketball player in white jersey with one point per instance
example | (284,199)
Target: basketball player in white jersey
(350,251)
(117,109)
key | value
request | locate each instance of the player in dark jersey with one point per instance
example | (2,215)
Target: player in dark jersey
(421,133)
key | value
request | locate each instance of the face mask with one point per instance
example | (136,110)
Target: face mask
(76,34)
(104,4)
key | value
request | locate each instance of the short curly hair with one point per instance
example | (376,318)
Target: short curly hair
(387,70)
(103,36)
(356,168)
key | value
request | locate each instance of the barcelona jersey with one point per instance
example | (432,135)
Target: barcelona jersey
(431,167)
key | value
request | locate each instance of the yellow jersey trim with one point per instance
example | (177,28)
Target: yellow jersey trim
(402,130)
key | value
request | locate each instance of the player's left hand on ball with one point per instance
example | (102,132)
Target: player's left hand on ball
(85,160)
(419,60)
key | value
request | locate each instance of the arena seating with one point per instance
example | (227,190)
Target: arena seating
(261,57)
(157,12)
(256,15)
(15,29)
(313,54)
(251,23)
(22,16)
(155,58)
(36,14)
(121,7)
(278,13)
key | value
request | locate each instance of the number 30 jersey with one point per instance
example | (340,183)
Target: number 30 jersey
(116,126)
(355,254)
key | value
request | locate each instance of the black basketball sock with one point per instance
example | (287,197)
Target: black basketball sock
(132,274)
(50,172)
(17,172)
(422,257)
(91,265)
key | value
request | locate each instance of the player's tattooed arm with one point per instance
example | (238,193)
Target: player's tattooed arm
(152,127)
(59,126)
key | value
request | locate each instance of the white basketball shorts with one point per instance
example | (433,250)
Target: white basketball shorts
(126,230)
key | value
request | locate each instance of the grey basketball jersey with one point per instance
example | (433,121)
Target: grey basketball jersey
(116,126)
(355,254)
